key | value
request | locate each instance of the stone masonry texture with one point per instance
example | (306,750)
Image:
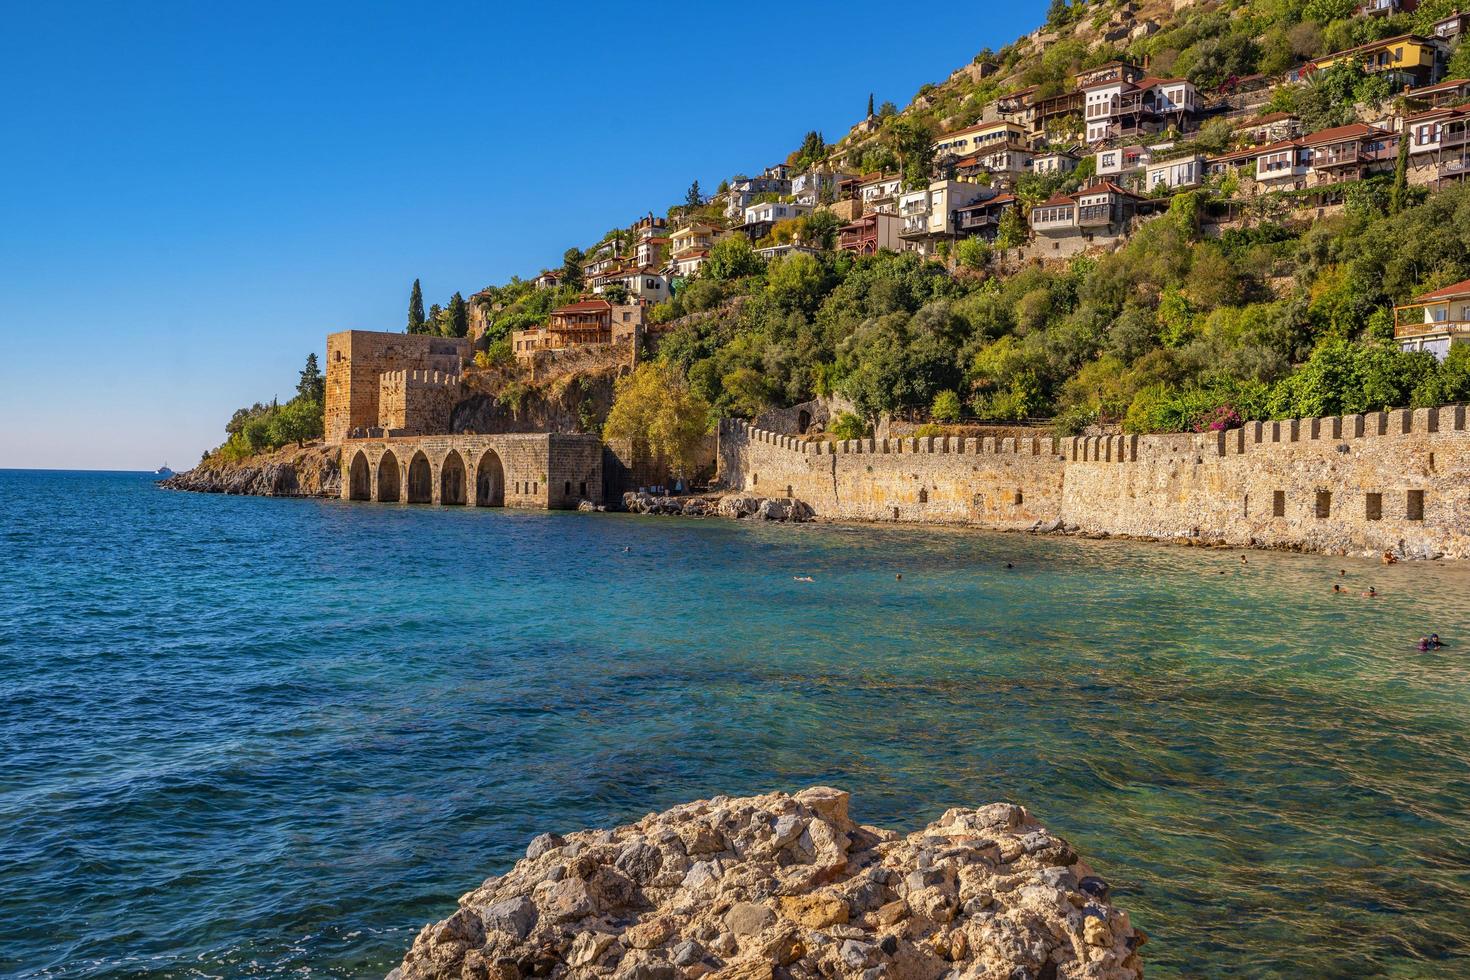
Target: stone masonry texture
(1396,481)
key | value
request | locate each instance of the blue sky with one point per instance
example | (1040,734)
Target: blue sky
(192,195)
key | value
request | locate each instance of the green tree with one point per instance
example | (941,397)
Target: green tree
(1056,13)
(571,267)
(312,386)
(692,197)
(654,408)
(296,421)
(946,407)
(459,317)
(416,309)
(731,258)
(1400,194)
(870,105)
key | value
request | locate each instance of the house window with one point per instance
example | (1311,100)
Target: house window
(1278,503)
(1373,506)
(1415,510)
(1324,504)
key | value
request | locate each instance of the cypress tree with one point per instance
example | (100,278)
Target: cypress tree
(870,105)
(312,387)
(459,318)
(416,309)
(1400,194)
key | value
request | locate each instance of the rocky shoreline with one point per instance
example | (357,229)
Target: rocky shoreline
(313,471)
(735,506)
(788,886)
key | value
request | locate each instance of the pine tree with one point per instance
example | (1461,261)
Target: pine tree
(870,105)
(459,317)
(312,387)
(435,323)
(692,197)
(416,309)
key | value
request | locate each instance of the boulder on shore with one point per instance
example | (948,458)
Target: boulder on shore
(736,505)
(788,886)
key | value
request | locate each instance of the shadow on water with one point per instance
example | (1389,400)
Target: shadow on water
(259,736)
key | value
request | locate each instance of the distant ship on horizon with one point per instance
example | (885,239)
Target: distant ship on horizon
(163,471)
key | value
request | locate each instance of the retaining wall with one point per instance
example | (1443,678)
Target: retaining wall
(1387,481)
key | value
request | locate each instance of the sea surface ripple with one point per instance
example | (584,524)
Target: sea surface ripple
(252,737)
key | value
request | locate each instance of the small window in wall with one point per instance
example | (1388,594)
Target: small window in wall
(569,488)
(1278,503)
(755,479)
(788,490)
(1416,505)
(584,488)
(923,495)
(1373,506)
(1019,498)
(1324,503)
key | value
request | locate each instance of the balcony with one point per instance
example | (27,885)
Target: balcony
(1455,328)
(914,226)
(971,221)
(1095,215)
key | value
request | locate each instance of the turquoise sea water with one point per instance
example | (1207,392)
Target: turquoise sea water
(251,737)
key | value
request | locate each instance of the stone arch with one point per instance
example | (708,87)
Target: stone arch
(388,479)
(359,478)
(490,481)
(420,479)
(803,421)
(451,479)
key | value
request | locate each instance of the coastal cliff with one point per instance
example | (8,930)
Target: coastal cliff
(287,472)
(788,886)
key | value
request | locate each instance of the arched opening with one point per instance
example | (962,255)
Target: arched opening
(803,421)
(388,479)
(359,478)
(451,480)
(490,481)
(420,480)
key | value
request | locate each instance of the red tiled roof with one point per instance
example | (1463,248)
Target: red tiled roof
(1058,199)
(1339,133)
(1441,86)
(585,306)
(1446,292)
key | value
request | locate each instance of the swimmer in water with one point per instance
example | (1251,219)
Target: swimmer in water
(1336,587)
(1372,593)
(1423,643)
(1009,565)
(898,577)
(1434,643)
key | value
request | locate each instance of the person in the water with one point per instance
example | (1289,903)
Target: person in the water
(1423,643)
(1372,593)
(1434,643)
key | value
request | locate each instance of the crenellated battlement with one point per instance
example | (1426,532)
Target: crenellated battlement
(436,379)
(1388,481)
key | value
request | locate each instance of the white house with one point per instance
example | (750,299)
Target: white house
(770,212)
(929,214)
(1177,174)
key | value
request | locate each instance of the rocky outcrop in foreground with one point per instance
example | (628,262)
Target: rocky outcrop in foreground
(788,886)
(737,505)
(288,472)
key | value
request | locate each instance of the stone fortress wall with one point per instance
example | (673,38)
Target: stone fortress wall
(359,397)
(390,397)
(1386,481)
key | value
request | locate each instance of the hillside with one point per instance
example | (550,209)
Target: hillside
(1218,301)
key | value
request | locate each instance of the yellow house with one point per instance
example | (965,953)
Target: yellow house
(978,137)
(695,237)
(1408,54)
